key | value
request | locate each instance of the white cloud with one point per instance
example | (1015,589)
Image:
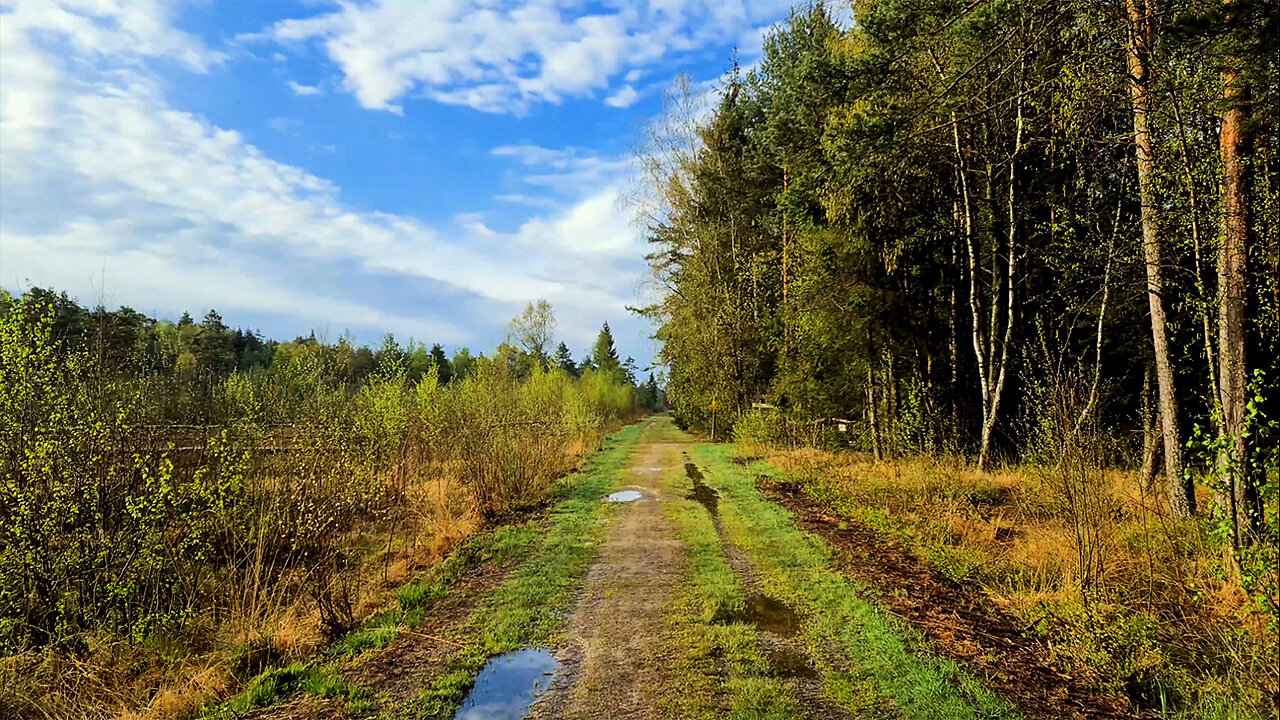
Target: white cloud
(570,171)
(104,183)
(624,98)
(526,200)
(503,55)
(299,89)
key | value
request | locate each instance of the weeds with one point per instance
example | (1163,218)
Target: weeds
(139,546)
(1088,557)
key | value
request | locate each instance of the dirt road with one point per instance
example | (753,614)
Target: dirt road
(665,584)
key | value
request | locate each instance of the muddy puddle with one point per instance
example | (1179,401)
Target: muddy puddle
(790,663)
(624,496)
(508,685)
(702,492)
(769,615)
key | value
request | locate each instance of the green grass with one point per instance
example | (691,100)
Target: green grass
(716,666)
(308,678)
(869,661)
(528,609)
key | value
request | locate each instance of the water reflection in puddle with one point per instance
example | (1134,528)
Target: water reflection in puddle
(508,685)
(769,615)
(623,496)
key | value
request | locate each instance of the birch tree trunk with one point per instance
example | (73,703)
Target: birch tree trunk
(1141,37)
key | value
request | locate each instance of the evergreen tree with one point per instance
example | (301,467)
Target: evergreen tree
(444,368)
(564,360)
(604,354)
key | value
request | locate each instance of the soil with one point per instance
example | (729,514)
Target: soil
(607,660)
(959,622)
(416,658)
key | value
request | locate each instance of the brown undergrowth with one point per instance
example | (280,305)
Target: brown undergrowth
(148,564)
(174,677)
(1148,612)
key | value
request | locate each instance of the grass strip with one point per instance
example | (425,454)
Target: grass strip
(716,666)
(881,664)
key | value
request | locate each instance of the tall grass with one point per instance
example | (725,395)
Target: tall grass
(138,551)
(1090,559)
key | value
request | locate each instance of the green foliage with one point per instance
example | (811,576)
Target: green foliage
(1254,539)
(115,519)
(836,233)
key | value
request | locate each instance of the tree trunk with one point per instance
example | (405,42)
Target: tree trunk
(1150,435)
(872,419)
(1141,35)
(954,338)
(1233,257)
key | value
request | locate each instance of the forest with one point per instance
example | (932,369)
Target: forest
(1035,238)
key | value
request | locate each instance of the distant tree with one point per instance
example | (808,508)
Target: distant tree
(652,393)
(517,362)
(214,345)
(444,369)
(251,350)
(185,320)
(418,360)
(564,360)
(117,338)
(604,354)
(532,330)
(463,362)
(390,356)
(362,364)
(629,370)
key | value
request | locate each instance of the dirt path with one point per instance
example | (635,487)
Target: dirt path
(701,599)
(614,630)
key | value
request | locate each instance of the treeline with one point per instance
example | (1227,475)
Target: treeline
(949,218)
(194,358)
(174,493)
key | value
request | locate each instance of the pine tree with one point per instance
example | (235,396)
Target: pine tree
(444,368)
(564,360)
(604,354)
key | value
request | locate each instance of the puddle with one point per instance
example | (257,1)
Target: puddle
(508,685)
(788,663)
(623,496)
(702,492)
(769,615)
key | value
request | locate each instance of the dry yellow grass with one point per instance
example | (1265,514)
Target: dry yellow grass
(124,682)
(1161,598)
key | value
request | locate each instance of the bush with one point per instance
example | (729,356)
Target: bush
(145,507)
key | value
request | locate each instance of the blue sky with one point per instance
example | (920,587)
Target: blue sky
(423,168)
